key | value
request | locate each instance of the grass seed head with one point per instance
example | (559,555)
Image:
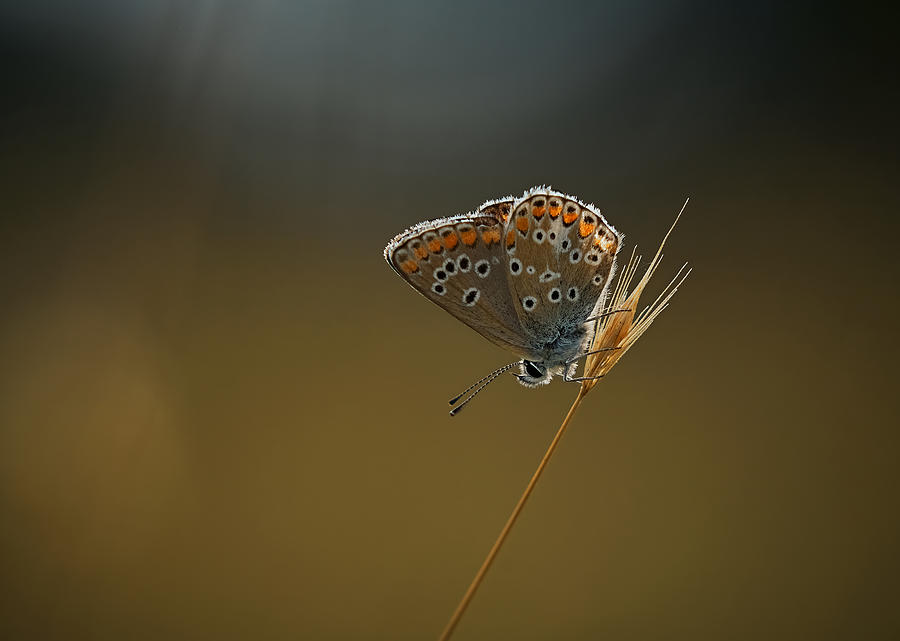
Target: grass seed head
(622,330)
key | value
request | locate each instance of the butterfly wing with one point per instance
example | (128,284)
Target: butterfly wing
(458,263)
(560,258)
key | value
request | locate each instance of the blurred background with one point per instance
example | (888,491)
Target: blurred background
(223,416)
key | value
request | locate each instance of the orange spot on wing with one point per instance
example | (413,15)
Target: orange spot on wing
(607,243)
(586,229)
(555,210)
(499,210)
(451,241)
(569,217)
(409,266)
(538,212)
(490,236)
(420,252)
(522,223)
(510,239)
(435,246)
(469,237)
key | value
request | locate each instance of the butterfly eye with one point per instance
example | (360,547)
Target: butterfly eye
(532,370)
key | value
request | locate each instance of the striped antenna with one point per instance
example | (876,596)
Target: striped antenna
(478,386)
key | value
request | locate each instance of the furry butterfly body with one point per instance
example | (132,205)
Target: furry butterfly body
(526,273)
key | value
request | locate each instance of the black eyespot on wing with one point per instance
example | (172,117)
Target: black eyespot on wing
(464,263)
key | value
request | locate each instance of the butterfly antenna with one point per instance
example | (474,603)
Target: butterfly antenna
(481,380)
(478,386)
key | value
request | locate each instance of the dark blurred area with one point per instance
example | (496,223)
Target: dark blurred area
(222,415)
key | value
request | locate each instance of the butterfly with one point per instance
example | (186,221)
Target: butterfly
(530,274)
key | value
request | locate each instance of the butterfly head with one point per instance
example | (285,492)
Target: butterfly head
(532,374)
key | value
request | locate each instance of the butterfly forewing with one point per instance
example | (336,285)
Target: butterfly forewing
(459,264)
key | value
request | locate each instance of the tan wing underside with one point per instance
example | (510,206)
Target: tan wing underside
(446,259)
(559,244)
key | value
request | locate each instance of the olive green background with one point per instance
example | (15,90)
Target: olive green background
(222,416)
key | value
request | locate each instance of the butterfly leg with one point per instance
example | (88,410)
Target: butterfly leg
(578,379)
(571,366)
(608,313)
(591,353)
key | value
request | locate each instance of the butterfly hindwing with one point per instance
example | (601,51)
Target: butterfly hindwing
(560,256)
(459,264)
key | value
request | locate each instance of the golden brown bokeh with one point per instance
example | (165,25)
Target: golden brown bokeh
(223,416)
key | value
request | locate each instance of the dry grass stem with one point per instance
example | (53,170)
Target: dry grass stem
(619,330)
(467,597)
